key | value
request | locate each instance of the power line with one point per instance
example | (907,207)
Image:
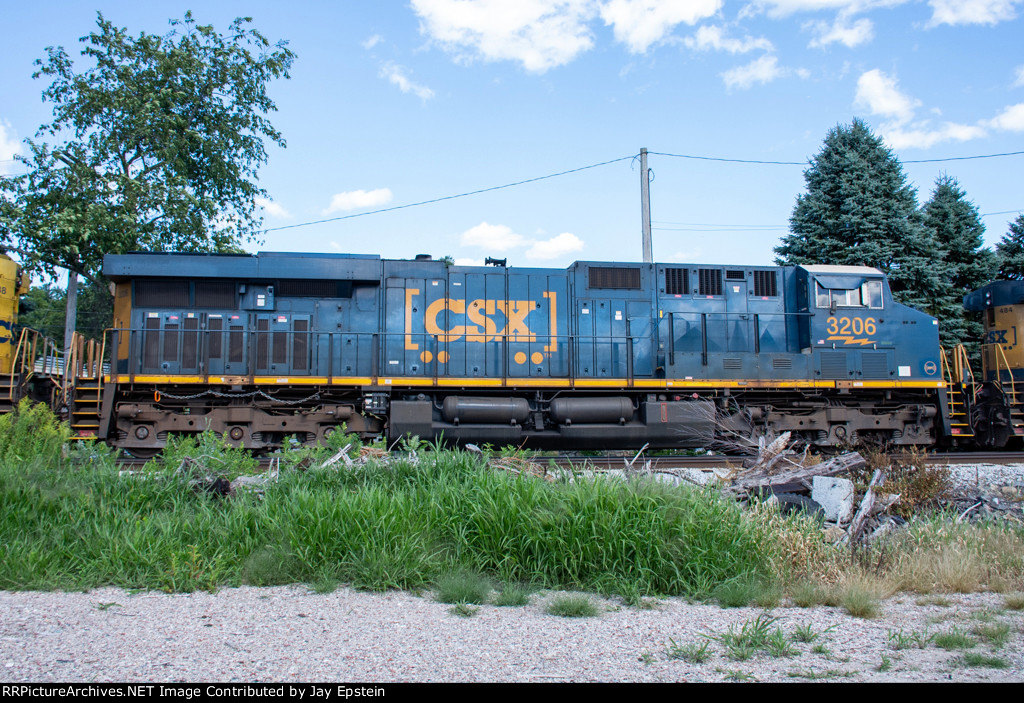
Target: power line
(735,161)
(452,197)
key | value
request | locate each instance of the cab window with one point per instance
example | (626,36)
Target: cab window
(868,295)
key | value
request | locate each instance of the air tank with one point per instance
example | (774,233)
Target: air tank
(458,409)
(566,411)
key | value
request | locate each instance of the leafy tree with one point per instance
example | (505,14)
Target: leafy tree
(959,235)
(43,308)
(157,147)
(859,210)
(1010,251)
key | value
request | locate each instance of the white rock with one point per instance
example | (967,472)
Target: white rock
(835,495)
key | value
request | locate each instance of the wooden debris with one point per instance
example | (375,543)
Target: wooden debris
(767,475)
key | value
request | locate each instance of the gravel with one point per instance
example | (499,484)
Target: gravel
(292,634)
(287,634)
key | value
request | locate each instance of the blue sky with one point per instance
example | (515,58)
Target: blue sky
(399,102)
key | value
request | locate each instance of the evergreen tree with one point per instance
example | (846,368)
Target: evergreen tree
(1010,251)
(859,210)
(959,235)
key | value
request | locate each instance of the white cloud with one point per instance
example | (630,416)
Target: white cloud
(880,94)
(955,12)
(1011,119)
(1020,77)
(921,136)
(272,208)
(762,70)
(539,34)
(396,76)
(469,262)
(492,237)
(712,37)
(9,148)
(500,238)
(564,243)
(357,199)
(850,35)
(641,23)
(784,8)
(372,41)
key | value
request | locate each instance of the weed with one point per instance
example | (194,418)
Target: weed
(1014,601)
(954,639)
(884,665)
(859,597)
(806,634)
(513,595)
(976,659)
(736,675)
(996,634)
(818,675)
(106,606)
(807,595)
(777,645)
(464,610)
(745,591)
(934,600)
(646,657)
(821,649)
(572,606)
(691,652)
(463,587)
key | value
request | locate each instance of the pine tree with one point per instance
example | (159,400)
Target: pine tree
(859,210)
(955,224)
(1010,251)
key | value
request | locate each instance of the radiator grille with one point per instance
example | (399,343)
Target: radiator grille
(765,284)
(875,365)
(677,281)
(710,281)
(833,365)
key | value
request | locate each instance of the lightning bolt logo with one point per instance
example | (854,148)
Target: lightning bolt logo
(850,339)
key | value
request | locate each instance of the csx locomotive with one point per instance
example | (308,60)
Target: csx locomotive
(278,348)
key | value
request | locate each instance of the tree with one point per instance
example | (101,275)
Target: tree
(161,141)
(43,308)
(1010,251)
(859,210)
(955,224)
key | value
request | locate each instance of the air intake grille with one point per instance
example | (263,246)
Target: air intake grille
(215,294)
(161,294)
(833,365)
(677,281)
(710,281)
(765,284)
(615,277)
(314,289)
(875,364)
(735,275)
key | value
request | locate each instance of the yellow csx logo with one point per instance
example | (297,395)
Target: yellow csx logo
(849,330)
(481,318)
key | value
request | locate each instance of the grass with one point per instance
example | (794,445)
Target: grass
(464,610)
(900,640)
(573,606)
(73,523)
(976,659)
(690,652)
(513,595)
(744,641)
(995,634)
(69,521)
(954,639)
(819,675)
(462,587)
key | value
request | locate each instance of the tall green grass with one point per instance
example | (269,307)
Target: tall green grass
(74,523)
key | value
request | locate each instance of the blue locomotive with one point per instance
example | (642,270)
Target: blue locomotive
(273,348)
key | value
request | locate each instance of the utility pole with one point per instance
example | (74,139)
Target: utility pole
(645,207)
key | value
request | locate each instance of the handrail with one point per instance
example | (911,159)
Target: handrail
(1009,372)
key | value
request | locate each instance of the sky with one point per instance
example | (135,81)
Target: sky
(395,103)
